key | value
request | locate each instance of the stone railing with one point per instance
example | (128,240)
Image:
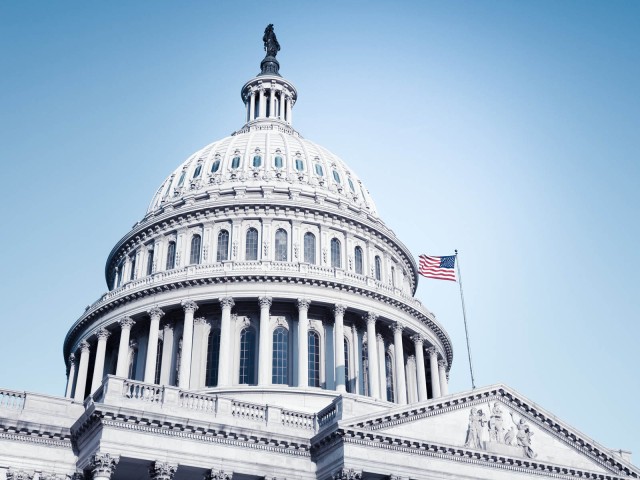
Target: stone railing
(12,399)
(117,391)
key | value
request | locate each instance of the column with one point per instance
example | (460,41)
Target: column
(401,383)
(218,475)
(83,367)
(98,366)
(252,106)
(382,366)
(189,307)
(262,105)
(338,347)
(372,356)
(418,341)
(442,370)
(433,363)
(167,354)
(103,465)
(272,94)
(283,103)
(70,375)
(357,358)
(201,329)
(224,363)
(264,362)
(122,366)
(289,100)
(152,346)
(412,384)
(303,342)
(162,470)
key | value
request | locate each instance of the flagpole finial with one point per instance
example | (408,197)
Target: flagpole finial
(456,250)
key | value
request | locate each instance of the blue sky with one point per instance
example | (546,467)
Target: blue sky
(507,130)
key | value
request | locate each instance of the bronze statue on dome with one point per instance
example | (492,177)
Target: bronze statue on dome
(271,45)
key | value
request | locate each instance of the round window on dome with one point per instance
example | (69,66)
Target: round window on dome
(319,170)
(257,161)
(336,176)
(216,166)
(235,163)
(299,164)
(277,162)
(353,189)
(181,181)
(196,174)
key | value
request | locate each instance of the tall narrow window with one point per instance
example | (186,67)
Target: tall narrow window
(215,166)
(198,170)
(171,256)
(388,365)
(314,359)
(120,269)
(310,248)
(181,181)
(378,268)
(280,364)
(235,163)
(222,252)
(278,161)
(359,261)
(213,357)
(251,247)
(133,359)
(393,276)
(257,161)
(347,376)
(178,362)
(281,253)
(299,164)
(132,261)
(247,356)
(158,362)
(196,247)
(336,253)
(149,262)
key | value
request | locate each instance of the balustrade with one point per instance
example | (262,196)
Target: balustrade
(11,399)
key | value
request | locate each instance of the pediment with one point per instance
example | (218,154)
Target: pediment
(498,421)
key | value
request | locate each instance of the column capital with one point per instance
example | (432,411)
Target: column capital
(418,340)
(200,321)
(19,475)
(189,306)
(411,358)
(162,470)
(265,302)
(347,474)
(304,303)
(397,327)
(339,309)
(103,464)
(72,359)
(442,364)
(103,334)
(84,346)
(379,337)
(168,326)
(371,318)
(432,351)
(218,475)
(126,322)
(226,302)
(156,312)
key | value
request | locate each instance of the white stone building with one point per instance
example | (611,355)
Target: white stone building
(261,323)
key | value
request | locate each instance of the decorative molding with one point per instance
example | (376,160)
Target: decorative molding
(189,306)
(162,470)
(103,464)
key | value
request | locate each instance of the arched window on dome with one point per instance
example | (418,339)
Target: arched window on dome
(171,256)
(215,166)
(156,378)
(196,247)
(281,247)
(314,358)
(235,163)
(310,248)
(299,164)
(388,365)
(280,364)
(351,186)
(336,253)
(319,170)
(336,177)
(213,357)
(251,245)
(197,171)
(247,356)
(347,373)
(182,175)
(278,162)
(257,161)
(378,267)
(222,251)
(359,260)
(150,261)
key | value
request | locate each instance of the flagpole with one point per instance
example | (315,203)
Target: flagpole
(464,316)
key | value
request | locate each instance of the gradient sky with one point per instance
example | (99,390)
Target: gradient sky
(507,130)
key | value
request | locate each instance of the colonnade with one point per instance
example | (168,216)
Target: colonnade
(262,96)
(410,384)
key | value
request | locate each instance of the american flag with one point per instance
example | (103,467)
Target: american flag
(440,268)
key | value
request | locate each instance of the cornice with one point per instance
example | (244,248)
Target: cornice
(286,277)
(36,435)
(200,211)
(192,430)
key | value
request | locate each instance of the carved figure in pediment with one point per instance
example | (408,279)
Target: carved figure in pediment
(523,437)
(475,435)
(510,436)
(496,423)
